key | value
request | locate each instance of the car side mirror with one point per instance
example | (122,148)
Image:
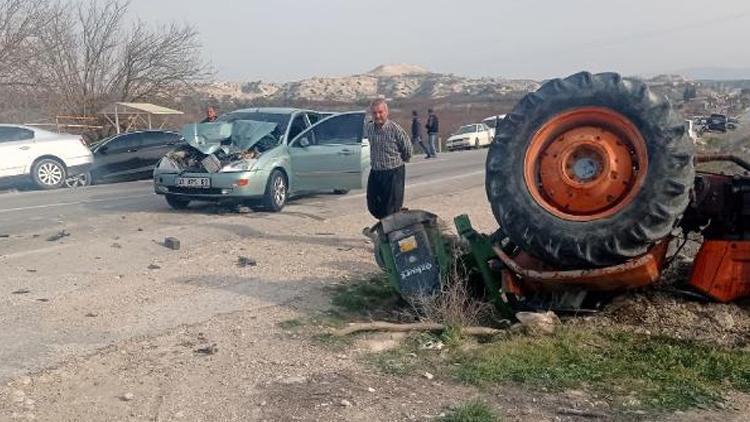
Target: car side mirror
(304,142)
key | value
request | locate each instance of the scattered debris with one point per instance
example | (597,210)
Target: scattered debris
(91,315)
(345,249)
(59,235)
(21,291)
(325,234)
(243,209)
(581,413)
(117,245)
(419,326)
(243,261)
(127,396)
(42,299)
(539,323)
(432,345)
(172,243)
(30,270)
(153,267)
(345,403)
(208,350)
(293,380)
(428,375)
(4,236)
(370,389)
(140,229)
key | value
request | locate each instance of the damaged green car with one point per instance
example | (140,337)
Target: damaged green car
(261,157)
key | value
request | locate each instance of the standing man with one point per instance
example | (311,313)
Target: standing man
(210,115)
(390,149)
(433,127)
(416,132)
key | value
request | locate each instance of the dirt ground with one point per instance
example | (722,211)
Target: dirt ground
(243,365)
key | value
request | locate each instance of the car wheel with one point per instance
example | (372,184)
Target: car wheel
(176,202)
(276,193)
(340,191)
(48,173)
(79,180)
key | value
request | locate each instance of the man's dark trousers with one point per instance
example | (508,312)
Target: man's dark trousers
(385,192)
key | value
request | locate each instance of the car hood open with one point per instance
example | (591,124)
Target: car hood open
(236,136)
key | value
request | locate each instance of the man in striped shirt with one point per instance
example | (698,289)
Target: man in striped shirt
(390,149)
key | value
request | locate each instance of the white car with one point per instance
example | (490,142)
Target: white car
(49,159)
(491,122)
(475,135)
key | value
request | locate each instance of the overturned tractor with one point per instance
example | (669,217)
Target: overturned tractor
(590,179)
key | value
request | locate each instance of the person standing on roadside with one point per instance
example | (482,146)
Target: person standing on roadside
(433,127)
(416,132)
(390,150)
(210,115)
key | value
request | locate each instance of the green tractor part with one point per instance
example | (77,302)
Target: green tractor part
(418,258)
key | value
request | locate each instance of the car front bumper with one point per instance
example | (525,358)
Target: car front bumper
(239,185)
(457,143)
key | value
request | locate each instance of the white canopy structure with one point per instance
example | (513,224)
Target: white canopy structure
(136,115)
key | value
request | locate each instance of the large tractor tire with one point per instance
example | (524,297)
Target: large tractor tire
(589,171)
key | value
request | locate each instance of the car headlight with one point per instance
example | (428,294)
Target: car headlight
(241,165)
(167,164)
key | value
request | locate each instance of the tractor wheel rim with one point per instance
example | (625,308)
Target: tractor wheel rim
(586,164)
(50,174)
(279,190)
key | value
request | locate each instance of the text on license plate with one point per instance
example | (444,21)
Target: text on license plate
(193,182)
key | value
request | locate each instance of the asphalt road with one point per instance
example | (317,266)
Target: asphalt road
(40,211)
(112,279)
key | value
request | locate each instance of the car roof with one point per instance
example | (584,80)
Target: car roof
(271,110)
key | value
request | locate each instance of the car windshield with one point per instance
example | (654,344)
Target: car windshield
(280,119)
(466,129)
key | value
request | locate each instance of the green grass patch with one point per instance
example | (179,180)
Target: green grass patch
(660,373)
(473,411)
(367,296)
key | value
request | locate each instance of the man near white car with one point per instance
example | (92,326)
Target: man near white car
(390,149)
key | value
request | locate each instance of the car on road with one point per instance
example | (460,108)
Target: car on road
(47,158)
(130,156)
(263,156)
(491,122)
(475,135)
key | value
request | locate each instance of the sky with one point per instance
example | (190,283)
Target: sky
(282,40)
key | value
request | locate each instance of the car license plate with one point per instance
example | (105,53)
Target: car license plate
(193,182)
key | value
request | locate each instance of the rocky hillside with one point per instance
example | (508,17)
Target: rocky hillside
(389,81)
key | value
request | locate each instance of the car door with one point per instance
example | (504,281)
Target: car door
(155,146)
(328,155)
(15,150)
(118,159)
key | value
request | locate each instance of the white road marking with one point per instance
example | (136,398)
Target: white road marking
(65,204)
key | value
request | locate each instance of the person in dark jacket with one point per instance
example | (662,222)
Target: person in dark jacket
(210,115)
(416,132)
(433,127)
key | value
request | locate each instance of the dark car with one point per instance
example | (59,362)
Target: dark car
(132,155)
(717,123)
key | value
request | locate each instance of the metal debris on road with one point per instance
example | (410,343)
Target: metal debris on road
(243,261)
(20,292)
(153,267)
(59,235)
(172,243)
(208,350)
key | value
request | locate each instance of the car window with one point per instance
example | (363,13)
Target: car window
(158,139)
(298,125)
(345,129)
(125,142)
(9,134)
(314,118)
